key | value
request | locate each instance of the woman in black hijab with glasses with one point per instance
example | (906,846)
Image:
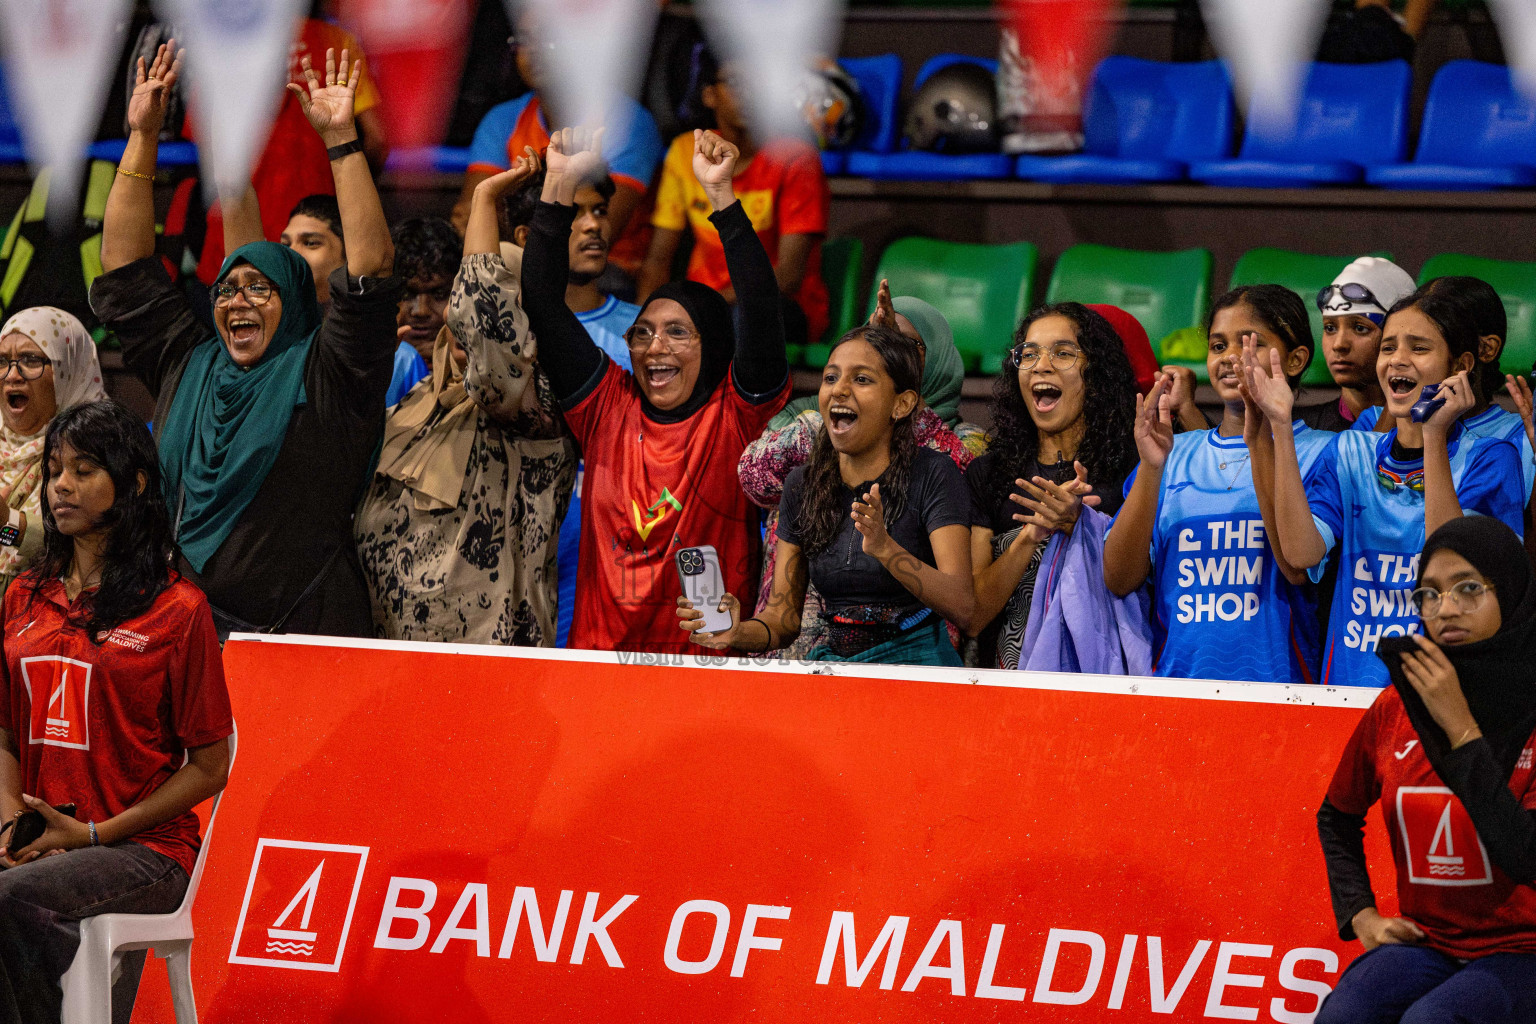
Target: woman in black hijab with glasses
(1448,751)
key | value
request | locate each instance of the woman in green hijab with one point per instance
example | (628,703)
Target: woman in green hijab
(266,427)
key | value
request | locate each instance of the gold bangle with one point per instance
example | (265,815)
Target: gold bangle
(136,174)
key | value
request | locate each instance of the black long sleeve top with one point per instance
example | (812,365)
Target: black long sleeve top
(573,361)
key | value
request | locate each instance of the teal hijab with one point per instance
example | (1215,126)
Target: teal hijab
(227,424)
(943,368)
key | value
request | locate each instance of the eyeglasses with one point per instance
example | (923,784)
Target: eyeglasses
(1351,292)
(257,293)
(1027,357)
(1467,596)
(30,366)
(675,336)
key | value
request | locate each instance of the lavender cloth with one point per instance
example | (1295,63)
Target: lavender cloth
(1075,623)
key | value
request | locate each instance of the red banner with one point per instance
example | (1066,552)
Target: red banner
(427,833)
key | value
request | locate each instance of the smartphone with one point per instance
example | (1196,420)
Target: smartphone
(699,569)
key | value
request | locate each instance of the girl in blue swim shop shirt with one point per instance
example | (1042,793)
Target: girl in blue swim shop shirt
(1375,497)
(1222,609)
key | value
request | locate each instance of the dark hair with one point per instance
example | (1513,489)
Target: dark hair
(322,208)
(1452,316)
(426,247)
(137,562)
(1482,303)
(821,515)
(516,209)
(1108,448)
(705,73)
(1280,310)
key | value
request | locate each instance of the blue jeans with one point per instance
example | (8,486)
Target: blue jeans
(1417,985)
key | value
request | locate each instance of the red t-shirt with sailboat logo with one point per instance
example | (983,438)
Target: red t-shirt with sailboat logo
(1446,882)
(650,490)
(103,727)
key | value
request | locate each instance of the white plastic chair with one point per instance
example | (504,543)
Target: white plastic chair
(105,938)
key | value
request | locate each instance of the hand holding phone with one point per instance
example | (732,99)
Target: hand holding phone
(703,585)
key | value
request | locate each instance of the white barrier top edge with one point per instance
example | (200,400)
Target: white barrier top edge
(1144,686)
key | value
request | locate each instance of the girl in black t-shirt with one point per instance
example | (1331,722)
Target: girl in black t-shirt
(878,523)
(1063,412)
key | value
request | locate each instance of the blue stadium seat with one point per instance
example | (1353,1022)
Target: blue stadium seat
(170,154)
(1479,132)
(1355,109)
(879,80)
(1145,121)
(920,165)
(11,150)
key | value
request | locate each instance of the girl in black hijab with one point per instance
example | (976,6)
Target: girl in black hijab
(1448,751)
(661,444)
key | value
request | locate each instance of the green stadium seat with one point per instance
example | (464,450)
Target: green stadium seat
(982,290)
(1306,275)
(1166,291)
(842,268)
(1516,284)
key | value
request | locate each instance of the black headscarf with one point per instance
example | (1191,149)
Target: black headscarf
(1498,675)
(711,316)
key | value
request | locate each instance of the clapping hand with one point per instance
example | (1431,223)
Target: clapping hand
(1154,423)
(1056,507)
(1266,385)
(869,520)
(152,88)
(330,107)
(1520,392)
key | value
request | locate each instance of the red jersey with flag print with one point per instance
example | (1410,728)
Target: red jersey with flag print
(105,726)
(650,490)
(1446,882)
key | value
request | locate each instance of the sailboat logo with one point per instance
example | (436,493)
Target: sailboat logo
(299,941)
(59,691)
(298,907)
(1439,840)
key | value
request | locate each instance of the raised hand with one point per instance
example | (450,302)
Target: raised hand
(869,520)
(329,107)
(1431,673)
(152,88)
(1459,400)
(714,164)
(885,313)
(1154,423)
(523,168)
(1266,385)
(1520,392)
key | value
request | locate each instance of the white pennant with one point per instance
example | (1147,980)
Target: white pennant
(589,51)
(1266,45)
(773,44)
(237,66)
(60,55)
(1517,31)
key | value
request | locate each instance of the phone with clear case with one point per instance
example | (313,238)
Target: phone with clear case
(699,569)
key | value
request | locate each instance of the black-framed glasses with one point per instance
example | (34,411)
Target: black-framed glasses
(674,335)
(1352,292)
(29,364)
(257,293)
(1467,596)
(1026,357)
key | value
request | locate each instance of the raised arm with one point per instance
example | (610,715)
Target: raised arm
(1440,502)
(1297,541)
(1128,547)
(759,366)
(370,253)
(242,220)
(128,226)
(482,233)
(1259,384)
(566,351)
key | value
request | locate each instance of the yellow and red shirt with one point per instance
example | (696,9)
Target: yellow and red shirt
(783,191)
